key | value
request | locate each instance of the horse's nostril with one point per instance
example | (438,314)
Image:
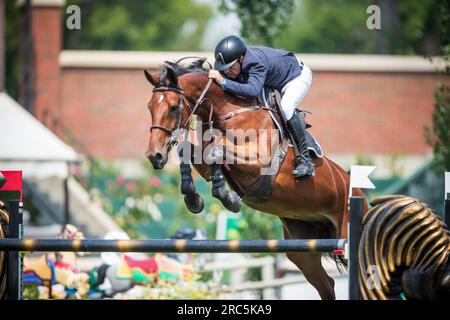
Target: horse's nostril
(158,156)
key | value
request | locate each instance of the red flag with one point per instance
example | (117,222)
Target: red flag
(11,181)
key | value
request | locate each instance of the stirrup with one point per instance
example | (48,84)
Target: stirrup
(309,173)
(307,166)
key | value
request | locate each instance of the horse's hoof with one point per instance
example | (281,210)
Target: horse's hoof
(233,201)
(194,203)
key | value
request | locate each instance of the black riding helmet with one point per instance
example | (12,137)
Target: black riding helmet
(228,51)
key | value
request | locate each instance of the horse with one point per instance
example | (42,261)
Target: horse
(312,208)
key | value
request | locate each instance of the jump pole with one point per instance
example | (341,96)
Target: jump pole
(211,246)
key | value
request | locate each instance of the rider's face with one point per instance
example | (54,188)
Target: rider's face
(233,71)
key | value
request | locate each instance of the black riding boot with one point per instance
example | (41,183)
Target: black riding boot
(297,128)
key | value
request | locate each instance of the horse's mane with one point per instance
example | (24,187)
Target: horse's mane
(406,242)
(179,69)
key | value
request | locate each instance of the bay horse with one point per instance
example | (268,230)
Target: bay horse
(312,208)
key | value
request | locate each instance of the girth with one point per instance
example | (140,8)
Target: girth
(262,189)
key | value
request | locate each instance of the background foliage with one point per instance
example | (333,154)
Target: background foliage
(262,20)
(339,26)
(138,25)
(438,136)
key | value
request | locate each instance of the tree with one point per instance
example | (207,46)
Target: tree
(262,20)
(407,28)
(338,26)
(138,25)
(439,135)
(328,27)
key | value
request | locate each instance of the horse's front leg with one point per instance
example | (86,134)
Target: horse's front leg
(229,199)
(194,202)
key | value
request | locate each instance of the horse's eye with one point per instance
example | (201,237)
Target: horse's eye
(173,108)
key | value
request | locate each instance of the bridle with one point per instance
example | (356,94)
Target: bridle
(180,91)
(175,133)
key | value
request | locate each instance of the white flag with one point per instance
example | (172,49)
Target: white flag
(359,177)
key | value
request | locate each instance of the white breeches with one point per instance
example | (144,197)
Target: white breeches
(295,91)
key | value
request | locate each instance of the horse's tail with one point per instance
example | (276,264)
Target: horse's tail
(341,263)
(327,230)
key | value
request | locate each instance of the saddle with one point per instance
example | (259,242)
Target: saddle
(261,190)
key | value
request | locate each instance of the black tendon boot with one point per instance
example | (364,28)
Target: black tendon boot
(305,167)
(229,199)
(194,202)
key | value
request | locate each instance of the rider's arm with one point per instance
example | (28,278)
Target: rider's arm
(254,84)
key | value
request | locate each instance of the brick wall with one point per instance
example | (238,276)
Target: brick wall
(47,38)
(106,109)
(373,113)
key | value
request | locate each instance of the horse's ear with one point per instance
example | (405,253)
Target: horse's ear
(172,77)
(199,63)
(152,77)
(171,64)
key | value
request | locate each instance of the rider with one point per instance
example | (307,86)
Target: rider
(254,67)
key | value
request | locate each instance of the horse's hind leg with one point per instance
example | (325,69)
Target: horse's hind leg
(310,263)
(311,266)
